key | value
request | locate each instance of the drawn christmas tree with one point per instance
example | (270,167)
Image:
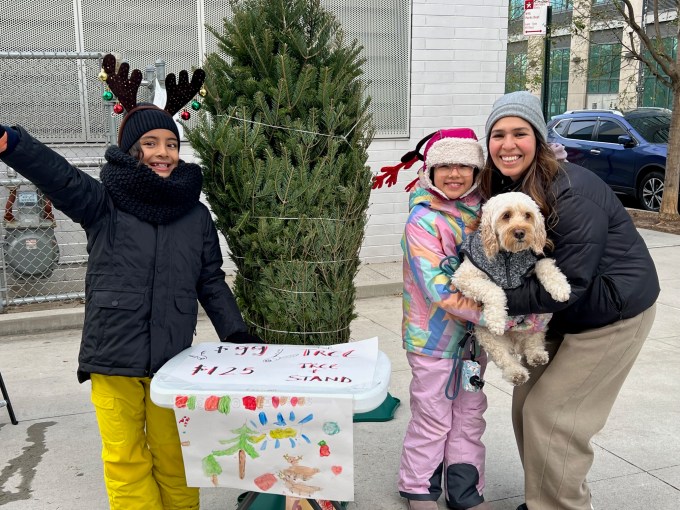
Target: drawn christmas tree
(242,444)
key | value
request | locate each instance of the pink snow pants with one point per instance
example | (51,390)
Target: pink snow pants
(440,430)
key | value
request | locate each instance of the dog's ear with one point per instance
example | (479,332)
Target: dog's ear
(540,235)
(488,235)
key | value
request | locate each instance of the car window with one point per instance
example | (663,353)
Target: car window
(653,128)
(580,129)
(561,126)
(609,131)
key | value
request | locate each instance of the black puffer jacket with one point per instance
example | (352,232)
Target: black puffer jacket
(143,280)
(598,248)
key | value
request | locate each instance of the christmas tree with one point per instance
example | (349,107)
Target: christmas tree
(283,138)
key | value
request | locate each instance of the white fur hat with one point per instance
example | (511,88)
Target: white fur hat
(454,146)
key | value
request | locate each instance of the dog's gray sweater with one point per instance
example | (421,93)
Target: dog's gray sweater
(506,269)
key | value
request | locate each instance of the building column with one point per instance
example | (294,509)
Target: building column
(578,64)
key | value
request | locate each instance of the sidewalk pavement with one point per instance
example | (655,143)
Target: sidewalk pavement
(51,459)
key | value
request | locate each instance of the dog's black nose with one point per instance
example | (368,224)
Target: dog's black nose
(519,235)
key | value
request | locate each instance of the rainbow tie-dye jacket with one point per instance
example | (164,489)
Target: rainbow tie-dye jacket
(435,314)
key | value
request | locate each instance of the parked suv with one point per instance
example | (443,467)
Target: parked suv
(627,150)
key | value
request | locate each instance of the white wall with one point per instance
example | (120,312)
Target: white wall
(457,72)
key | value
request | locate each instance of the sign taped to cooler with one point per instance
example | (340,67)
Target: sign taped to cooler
(271,418)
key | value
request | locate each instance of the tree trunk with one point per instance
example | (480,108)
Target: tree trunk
(241,464)
(669,202)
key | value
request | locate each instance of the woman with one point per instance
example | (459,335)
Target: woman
(593,338)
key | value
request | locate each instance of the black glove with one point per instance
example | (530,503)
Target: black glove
(2,130)
(243,337)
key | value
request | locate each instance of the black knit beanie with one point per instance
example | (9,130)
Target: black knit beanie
(142,118)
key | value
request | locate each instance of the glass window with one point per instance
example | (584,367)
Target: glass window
(655,93)
(560,127)
(604,65)
(559,81)
(580,129)
(515,9)
(653,128)
(609,131)
(515,72)
(561,5)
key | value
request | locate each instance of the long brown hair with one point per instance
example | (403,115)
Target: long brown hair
(536,181)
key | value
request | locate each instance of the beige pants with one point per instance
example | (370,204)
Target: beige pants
(565,403)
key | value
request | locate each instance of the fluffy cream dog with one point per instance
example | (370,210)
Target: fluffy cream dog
(497,257)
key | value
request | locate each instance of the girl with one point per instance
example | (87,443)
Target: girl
(595,337)
(153,252)
(443,437)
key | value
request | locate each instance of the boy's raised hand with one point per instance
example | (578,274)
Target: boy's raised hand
(3,139)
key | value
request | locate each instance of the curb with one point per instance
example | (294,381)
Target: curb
(43,321)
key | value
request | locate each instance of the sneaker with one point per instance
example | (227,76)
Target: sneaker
(415,504)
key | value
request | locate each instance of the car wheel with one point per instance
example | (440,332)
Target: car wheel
(650,191)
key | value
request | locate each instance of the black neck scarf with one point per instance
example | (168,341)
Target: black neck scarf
(138,190)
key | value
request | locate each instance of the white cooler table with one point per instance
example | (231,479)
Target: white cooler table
(164,387)
(366,397)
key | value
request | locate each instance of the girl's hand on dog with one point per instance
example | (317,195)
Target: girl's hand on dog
(532,323)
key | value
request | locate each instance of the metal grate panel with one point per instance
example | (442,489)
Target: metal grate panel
(383,29)
(37,25)
(143,32)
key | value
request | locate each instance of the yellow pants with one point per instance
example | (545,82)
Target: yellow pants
(143,467)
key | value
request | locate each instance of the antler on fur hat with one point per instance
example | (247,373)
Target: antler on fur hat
(446,146)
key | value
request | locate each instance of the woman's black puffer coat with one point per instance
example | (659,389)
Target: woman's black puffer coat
(598,248)
(144,281)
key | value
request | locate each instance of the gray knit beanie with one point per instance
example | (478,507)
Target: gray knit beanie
(520,104)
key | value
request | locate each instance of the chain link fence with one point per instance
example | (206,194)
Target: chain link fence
(43,254)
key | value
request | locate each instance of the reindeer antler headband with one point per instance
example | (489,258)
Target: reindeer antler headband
(125,88)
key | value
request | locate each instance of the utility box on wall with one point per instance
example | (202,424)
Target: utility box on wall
(31,249)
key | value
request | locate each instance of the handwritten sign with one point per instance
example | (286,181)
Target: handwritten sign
(278,367)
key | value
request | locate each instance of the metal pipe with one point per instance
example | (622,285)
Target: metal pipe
(51,54)
(43,299)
